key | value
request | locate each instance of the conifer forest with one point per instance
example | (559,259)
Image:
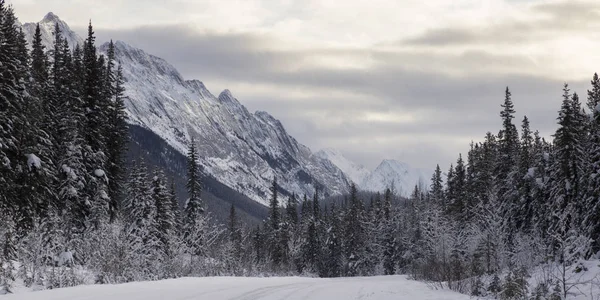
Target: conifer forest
(75,209)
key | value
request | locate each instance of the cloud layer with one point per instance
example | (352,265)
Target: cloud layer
(415,81)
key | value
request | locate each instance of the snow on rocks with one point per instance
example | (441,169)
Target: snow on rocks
(33,161)
(99,173)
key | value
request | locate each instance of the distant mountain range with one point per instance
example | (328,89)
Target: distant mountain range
(240,149)
(390,173)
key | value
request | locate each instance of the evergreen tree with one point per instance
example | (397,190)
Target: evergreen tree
(458,185)
(506,172)
(175,206)
(194,208)
(566,169)
(527,175)
(592,193)
(354,235)
(291,210)
(436,192)
(165,220)
(117,132)
(334,260)
(275,246)
(389,240)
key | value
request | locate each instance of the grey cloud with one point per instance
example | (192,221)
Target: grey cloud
(452,108)
(575,17)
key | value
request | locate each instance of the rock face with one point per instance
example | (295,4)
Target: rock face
(243,150)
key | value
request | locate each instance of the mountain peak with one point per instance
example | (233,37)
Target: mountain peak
(225,95)
(355,172)
(47,29)
(50,17)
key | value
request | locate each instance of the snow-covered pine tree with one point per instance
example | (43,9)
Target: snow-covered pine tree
(506,167)
(566,172)
(526,174)
(140,216)
(175,206)
(592,193)
(354,234)
(389,238)
(117,135)
(275,249)
(68,139)
(164,218)
(194,208)
(94,151)
(334,261)
(457,185)
(436,191)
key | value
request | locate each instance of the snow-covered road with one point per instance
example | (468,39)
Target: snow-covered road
(240,288)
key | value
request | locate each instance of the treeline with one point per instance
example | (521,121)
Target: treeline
(516,204)
(62,141)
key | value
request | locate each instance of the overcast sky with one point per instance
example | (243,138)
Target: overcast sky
(406,79)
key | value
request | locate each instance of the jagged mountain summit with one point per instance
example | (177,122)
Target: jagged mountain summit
(397,175)
(389,174)
(241,149)
(47,25)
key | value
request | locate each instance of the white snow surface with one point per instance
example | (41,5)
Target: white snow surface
(252,288)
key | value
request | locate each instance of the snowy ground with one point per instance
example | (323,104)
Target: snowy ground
(240,288)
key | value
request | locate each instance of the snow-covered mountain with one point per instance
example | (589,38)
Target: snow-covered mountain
(241,149)
(355,172)
(389,173)
(392,173)
(47,30)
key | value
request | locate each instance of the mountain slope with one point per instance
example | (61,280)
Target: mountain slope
(241,149)
(389,173)
(392,173)
(47,30)
(355,172)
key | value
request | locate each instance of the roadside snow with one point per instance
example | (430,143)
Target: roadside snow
(222,288)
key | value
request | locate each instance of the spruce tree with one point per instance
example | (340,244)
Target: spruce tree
(175,206)
(527,174)
(194,207)
(389,240)
(275,225)
(566,170)
(458,187)
(592,193)
(165,220)
(506,168)
(117,131)
(437,187)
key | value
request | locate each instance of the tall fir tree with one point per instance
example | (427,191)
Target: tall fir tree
(194,207)
(527,174)
(506,168)
(275,246)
